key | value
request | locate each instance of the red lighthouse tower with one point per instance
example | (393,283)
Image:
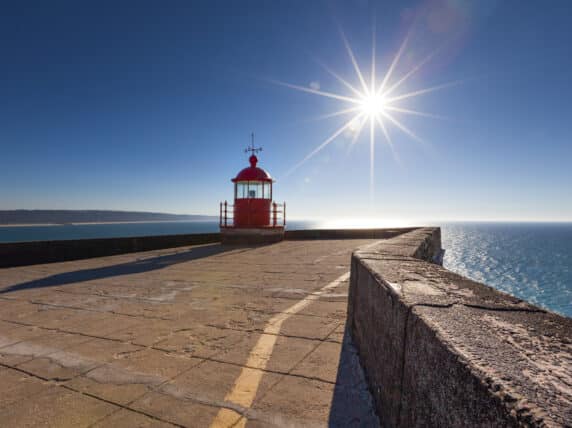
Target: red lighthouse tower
(254,217)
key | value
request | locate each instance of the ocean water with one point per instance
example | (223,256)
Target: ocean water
(532,261)
(102,230)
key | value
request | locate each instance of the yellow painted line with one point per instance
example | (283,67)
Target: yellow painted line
(246,385)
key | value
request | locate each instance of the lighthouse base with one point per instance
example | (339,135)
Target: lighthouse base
(251,235)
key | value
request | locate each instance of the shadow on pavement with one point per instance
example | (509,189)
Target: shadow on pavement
(352,404)
(134,267)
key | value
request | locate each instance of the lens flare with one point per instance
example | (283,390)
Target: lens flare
(370,102)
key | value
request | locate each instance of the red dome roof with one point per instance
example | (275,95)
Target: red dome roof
(253,173)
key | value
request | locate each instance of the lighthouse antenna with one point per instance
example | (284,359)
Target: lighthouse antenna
(252,149)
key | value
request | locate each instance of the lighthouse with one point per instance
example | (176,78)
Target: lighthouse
(254,217)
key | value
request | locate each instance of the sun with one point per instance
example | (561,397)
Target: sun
(371,103)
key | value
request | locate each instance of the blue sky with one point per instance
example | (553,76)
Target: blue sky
(148,106)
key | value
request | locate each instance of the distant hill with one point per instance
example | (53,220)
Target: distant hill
(89,216)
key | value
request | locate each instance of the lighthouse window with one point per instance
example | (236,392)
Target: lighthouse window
(253,190)
(242,191)
(266,192)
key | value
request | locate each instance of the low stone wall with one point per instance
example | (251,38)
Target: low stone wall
(345,233)
(247,236)
(441,350)
(28,253)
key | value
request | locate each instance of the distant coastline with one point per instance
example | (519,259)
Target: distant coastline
(30,224)
(213,218)
(23,218)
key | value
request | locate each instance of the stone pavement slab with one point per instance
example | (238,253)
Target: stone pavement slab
(128,418)
(17,386)
(168,337)
(56,407)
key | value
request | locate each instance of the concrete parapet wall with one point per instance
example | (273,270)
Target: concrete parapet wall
(344,233)
(251,236)
(28,253)
(442,350)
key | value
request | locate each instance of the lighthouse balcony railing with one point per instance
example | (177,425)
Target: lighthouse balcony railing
(277,215)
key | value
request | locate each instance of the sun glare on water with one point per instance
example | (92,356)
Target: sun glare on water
(366,223)
(377,105)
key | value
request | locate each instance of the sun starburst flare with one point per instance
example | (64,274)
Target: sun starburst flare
(371,103)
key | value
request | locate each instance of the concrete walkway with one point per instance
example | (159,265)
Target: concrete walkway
(194,336)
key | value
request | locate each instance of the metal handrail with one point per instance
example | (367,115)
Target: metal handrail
(277,216)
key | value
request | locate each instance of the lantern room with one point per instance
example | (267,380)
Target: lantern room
(254,216)
(252,196)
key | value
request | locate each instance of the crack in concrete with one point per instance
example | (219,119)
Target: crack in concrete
(503,308)
(114,403)
(181,393)
(271,371)
(261,311)
(60,330)
(57,380)
(258,330)
(79,308)
(477,306)
(123,297)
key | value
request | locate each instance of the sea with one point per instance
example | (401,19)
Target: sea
(532,261)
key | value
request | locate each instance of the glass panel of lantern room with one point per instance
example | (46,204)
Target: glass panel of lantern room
(266,190)
(241,190)
(255,190)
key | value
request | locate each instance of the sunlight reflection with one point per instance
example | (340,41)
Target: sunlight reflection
(365,223)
